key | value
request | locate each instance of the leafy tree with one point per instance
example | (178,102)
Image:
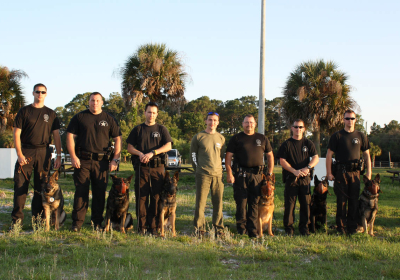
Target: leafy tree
(152,71)
(374,151)
(316,91)
(11,96)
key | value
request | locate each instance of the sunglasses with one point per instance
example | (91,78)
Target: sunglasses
(297,127)
(213,113)
(40,92)
(347,119)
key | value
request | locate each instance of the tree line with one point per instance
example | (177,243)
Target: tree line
(315,91)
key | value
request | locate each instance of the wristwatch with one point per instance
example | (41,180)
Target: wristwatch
(154,152)
(58,155)
(309,167)
(116,160)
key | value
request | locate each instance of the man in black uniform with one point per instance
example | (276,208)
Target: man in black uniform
(294,155)
(248,149)
(346,144)
(88,143)
(147,143)
(33,127)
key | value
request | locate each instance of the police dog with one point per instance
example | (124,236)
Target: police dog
(167,204)
(266,205)
(368,204)
(318,217)
(118,205)
(52,201)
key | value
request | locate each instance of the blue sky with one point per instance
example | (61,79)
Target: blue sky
(75,46)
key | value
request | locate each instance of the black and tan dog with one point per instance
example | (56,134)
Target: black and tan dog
(52,201)
(117,215)
(167,204)
(318,217)
(368,204)
(266,205)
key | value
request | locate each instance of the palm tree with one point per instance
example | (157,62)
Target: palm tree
(375,151)
(153,71)
(317,93)
(11,96)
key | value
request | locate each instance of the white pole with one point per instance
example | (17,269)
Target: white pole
(261,104)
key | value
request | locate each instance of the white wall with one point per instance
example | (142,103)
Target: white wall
(8,158)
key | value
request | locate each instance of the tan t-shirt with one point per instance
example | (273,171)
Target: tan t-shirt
(207,150)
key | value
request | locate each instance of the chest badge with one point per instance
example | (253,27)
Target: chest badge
(46,117)
(355,141)
(218,145)
(304,149)
(258,142)
(103,123)
(155,134)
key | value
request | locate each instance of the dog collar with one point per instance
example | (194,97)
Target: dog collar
(51,199)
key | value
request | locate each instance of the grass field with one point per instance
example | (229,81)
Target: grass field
(34,254)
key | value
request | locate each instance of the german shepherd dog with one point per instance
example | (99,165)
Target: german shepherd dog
(318,217)
(118,205)
(167,204)
(52,201)
(266,205)
(368,204)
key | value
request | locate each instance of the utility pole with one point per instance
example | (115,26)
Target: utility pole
(261,102)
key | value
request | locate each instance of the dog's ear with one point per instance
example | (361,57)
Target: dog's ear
(377,178)
(316,181)
(176,176)
(129,179)
(166,175)
(365,178)
(55,175)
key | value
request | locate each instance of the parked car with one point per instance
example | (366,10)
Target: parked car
(174,158)
(54,156)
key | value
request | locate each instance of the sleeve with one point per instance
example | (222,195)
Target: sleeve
(18,121)
(56,124)
(132,139)
(166,136)
(333,142)
(73,126)
(366,145)
(312,151)
(115,131)
(268,147)
(231,145)
(282,152)
(193,151)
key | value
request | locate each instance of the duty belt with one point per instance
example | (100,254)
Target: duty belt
(28,146)
(253,170)
(349,166)
(92,156)
(154,162)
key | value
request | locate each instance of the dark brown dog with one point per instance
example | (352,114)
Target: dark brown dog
(52,201)
(318,217)
(368,204)
(167,204)
(118,205)
(266,205)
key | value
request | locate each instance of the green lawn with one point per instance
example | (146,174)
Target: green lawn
(89,254)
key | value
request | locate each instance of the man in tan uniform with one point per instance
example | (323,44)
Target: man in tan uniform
(206,151)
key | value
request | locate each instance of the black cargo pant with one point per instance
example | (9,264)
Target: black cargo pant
(347,190)
(95,172)
(40,163)
(294,188)
(147,192)
(247,192)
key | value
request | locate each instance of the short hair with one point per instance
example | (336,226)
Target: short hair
(249,116)
(298,120)
(212,114)
(151,104)
(39,85)
(349,111)
(95,93)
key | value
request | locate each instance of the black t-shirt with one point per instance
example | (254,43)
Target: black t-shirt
(297,152)
(347,146)
(93,131)
(249,149)
(146,138)
(36,125)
